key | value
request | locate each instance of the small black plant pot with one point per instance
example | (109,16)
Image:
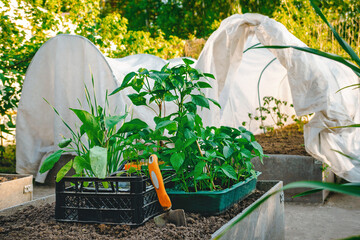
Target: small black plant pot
(114,200)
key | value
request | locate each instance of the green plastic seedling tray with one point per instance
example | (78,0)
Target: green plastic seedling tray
(212,202)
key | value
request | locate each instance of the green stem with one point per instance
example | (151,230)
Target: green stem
(184,182)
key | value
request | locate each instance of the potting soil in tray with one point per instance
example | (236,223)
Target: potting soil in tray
(39,223)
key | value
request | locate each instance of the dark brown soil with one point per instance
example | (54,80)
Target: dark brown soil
(39,223)
(4,179)
(288,140)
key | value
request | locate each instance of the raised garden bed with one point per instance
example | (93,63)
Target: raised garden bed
(15,189)
(40,223)
(289,162)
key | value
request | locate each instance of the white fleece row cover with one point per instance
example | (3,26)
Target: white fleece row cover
(64,64)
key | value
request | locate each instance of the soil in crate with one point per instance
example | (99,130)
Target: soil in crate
(287,140)
(39,223)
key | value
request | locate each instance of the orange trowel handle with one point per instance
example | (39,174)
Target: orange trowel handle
(158,182)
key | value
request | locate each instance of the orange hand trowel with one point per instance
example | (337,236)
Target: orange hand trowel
(177,216)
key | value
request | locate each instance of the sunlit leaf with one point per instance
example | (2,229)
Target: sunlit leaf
(98,161)
(257,147)
(90,123)
(80,163)
(228,151)
(63,171)
(188,61)
(50,161)
(111,121)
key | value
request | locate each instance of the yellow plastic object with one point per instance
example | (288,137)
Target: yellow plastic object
(158,182)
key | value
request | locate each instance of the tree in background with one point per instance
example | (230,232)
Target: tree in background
(26,25)
(300,19)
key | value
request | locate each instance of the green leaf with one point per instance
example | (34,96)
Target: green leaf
(177,160)
(143,71)
(228,151)
(247,135)
(354,86)
(178,81)
(200,101)
(137,99)
(168,124)
(203,85)
(188,61)
(159,76)
(214,102)
(191,107)
(199,169)
(350,189)
(90,123)
(209,75)
(169,97)
(64,170)
(64,142)
(132,170)
(188,120)
(111,121)
(257,147)
(229,171)
(334,57)
(105,184)
(138,83)
(245,153)
(345,155)
(133,126)
(189,141)
(188,134)
(80,163)
(348,126)
(307,192)
(98,161)
(125,82)
(203,176)
(50,161)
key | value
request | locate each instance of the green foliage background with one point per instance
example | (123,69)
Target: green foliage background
(166,29)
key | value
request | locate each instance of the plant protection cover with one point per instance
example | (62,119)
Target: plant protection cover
(62,66)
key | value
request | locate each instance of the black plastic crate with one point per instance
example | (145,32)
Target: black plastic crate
(126,200)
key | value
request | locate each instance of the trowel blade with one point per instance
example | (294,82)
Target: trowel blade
(176,217)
